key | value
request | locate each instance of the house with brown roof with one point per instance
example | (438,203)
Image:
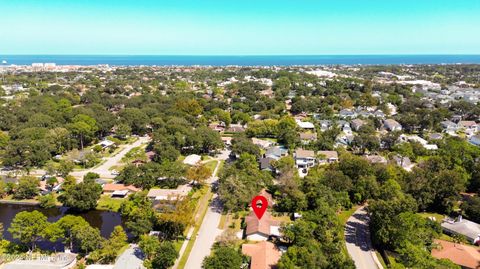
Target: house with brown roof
(307,138)
(327,156)
(469,126)
(304,158)
(261,229)
(119,190)
(463,255)
(264,255)
(376,159)
(169,194)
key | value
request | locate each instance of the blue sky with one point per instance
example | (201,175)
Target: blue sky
(244,27)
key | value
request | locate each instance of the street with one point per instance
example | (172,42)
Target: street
(208,231)
(357,237)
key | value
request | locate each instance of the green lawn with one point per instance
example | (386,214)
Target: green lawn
(211,165)
(107,203)
(344,215)
(438,217)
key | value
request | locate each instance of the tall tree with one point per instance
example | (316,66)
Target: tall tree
(28,227)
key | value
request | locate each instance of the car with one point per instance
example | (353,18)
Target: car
(115,173)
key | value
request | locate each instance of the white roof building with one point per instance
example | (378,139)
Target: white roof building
(192,159)
(305,125)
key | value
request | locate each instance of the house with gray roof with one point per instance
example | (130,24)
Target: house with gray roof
(467,228)
(276,152)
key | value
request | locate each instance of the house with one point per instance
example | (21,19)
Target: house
(266,164)
(307,138)
(376,159)
(262,143)
(192,159)
(357,123)
(469,229)
(305,125)
(119,190)
(219,127)
(475,140)
(263,255)
(276,152)
(327,156)
(463,255)
(344,139)
(325,125)
(416,138)
(449,126)
(169,194)
(235,128)
(470,127)
(347,114)
(392,125)
(304,158)
(261,229)
(403,162)
(106,144)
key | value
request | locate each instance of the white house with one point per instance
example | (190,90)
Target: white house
(304,158)
(305,125)
(392,125)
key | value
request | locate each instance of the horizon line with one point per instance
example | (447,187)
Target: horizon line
(247,55)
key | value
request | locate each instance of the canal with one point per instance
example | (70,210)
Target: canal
(105,221)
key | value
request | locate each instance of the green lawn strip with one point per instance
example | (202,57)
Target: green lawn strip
(211,165)
(380,259)
(223,221)
(344,215)
(203,207)
(107,203)
(220,167)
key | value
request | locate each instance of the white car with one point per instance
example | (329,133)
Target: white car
(115,173)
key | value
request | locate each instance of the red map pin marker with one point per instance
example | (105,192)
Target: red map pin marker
(259,209)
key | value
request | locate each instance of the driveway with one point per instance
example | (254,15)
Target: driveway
(357,237)
(132,258)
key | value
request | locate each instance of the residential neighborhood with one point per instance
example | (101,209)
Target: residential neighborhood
(149,160)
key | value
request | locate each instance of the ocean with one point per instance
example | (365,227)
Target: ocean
(276,60)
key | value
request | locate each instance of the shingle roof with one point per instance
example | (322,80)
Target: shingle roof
(265,255)
(466,256)
(254,225)
(329,154)
(302,153)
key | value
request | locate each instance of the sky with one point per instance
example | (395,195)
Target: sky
(239,27)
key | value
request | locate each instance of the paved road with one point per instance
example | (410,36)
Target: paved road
(103,169)
(357,237)
(132,258)
(208,231)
